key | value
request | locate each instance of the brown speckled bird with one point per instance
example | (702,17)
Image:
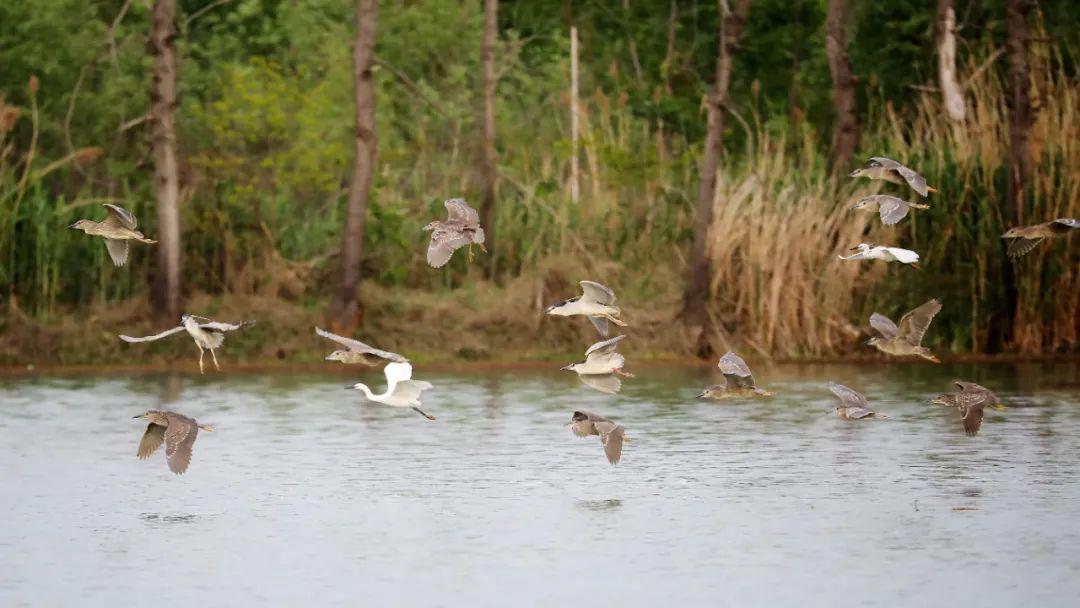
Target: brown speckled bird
(853,405)
(907,338)
(460,228)
(889,170)
(611,435)
(117,230)
(176,431)
(357,352)
(1026,238)
(970,400)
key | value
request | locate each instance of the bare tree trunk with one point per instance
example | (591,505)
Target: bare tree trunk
(846,121)
(488,159)
(697,290)
(163,94)
(352,234)
(951,92)
(1018,100)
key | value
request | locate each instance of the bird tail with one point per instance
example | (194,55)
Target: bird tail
(217,339)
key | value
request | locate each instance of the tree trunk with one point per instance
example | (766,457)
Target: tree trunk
(574,172)
(697,289)
(352,234)
(951,93)
(488,159)
(163,94)
(846,121)
(1018,100)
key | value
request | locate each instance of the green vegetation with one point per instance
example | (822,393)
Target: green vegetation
(266,127)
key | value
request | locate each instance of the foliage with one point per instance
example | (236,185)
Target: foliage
(266,136)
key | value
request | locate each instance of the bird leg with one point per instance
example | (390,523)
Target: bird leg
(622,373)
(214,355)
(200,358)
(614,320)
(469,252)
(428,416)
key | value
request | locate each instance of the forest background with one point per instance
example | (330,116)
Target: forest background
(264,130)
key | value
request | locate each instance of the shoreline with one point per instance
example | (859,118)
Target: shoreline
(327,367)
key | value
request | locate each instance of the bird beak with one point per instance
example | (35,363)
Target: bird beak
(566,368)
(72,226)
(867,343)
(139,416)
(350,386)
(855,248)
(1001,407)
(854,173)
(702,395)
(328,358)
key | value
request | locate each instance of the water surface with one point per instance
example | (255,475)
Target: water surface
(306,494)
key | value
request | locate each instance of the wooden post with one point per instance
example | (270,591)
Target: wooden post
(488,170)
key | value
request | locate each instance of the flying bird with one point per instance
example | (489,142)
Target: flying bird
(881,252)
(970,400)
(611,435)
(401,389)
(853,405)
(595,302)
(208,335)
(460,228)
(117,229)
(738,381)
(176,431)
(1026,238)
(357,352)
(890,208)
(602,366)
(889,170)
(907,338)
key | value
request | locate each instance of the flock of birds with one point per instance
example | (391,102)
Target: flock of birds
(603,366)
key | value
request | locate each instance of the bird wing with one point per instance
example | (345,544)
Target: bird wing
(120,217)
(973,416)
(974,394)
(604,347)
(396,372)
(597,293)
(410,390)
(913,325)
(848,397)
(179,438)
(1019,247)
(118,251)
(460,211)
(219,326)
(913,179)
(601,325)
(1063,225)
(359,346)
(167,332)
(905,256)
(892,210)
(151,440)
(856,412)
(605,383)
(736,371)
(611,437)
(884,325)
(445,240)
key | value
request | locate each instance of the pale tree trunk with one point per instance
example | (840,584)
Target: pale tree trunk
(352,235)
(163,94)
(488,159)
(846,120)
(574,171)
(951,93)
(697,289)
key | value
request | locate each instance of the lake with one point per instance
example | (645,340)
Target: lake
(307,494)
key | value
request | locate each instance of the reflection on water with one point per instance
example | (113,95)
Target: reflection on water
(306,494)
